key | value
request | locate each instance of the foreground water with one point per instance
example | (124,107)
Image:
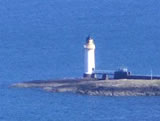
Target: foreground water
(44,40)
(32,105)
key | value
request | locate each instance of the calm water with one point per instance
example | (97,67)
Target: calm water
(44,40)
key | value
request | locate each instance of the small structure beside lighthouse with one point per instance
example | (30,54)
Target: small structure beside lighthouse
(89,58)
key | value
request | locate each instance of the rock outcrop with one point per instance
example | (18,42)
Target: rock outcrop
(124,87)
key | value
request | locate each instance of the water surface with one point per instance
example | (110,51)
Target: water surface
(44,40)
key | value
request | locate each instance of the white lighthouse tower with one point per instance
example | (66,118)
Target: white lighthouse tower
(89,59)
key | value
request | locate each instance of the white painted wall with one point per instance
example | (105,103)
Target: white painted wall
(89,61)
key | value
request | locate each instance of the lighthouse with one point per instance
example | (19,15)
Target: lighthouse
(89,58)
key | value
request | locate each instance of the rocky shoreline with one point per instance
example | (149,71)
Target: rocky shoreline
(124,87)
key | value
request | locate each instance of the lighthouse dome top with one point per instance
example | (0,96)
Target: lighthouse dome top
(89,43)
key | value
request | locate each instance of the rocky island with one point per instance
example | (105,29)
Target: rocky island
(111,83)
(119,87)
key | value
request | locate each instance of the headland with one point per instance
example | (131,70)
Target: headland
(116,87)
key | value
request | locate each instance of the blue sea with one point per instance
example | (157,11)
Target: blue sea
(44,40)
